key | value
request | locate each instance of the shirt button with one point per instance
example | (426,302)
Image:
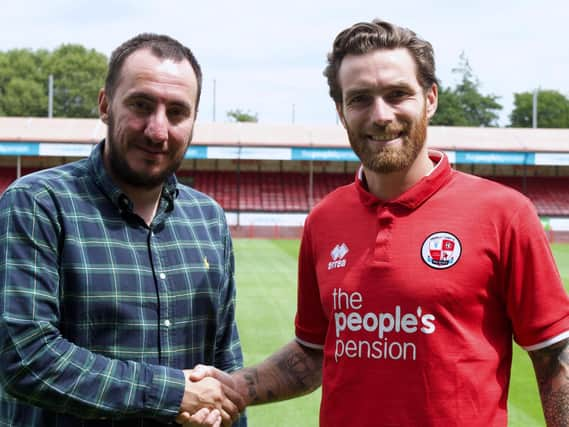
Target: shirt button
(167,323)
(162,276)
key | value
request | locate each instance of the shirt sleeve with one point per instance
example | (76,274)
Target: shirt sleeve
(537,302)
(37,364)
(311,323)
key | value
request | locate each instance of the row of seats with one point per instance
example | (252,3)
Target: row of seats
(289,191)
(550,195)
(260,191)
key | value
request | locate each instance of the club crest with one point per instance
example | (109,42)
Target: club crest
(441,250)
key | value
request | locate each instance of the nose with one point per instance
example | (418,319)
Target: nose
(157,125)
(382,112)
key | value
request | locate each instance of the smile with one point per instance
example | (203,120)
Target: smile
(150,152)
(385,139)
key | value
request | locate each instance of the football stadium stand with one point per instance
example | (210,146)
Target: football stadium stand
(549,194)
(288,191)
(272,175)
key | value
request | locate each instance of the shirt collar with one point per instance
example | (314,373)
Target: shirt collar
(418,193)
(116,195)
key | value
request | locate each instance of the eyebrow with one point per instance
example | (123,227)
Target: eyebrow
(400,85)
(146,96)
(140,95)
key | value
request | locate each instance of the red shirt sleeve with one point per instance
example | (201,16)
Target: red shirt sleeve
(537,301)
(311,323)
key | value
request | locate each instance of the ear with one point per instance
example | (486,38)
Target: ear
(340,112)
(103,106)
(432,100)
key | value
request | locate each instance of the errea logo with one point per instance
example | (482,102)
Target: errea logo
(338,254)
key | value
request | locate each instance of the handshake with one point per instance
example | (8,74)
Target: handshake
(214,398)
(211,398)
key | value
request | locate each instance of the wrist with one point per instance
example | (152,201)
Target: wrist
(245,385)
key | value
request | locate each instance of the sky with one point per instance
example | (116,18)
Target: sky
(266,57)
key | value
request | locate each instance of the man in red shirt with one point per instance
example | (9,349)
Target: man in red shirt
(414,279)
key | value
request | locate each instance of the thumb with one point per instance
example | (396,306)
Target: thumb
(200,372)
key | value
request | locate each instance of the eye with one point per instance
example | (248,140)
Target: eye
(178,113)
(141,106)
(396,95)
(361,99)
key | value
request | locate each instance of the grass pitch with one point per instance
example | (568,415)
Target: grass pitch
(266,304)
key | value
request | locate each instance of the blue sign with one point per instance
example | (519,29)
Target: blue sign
(324,154)
(197,152)
(495,158)
(19,149)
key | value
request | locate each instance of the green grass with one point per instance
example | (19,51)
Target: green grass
(266,304)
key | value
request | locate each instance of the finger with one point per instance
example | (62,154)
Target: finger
(183,417)
(199,417)
(201,371)
(226,423)
(226,419)
(230,409)
(235,397)
(213,418)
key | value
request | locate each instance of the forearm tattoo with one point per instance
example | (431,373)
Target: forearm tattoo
(552,371)
(289,373)
(298,370)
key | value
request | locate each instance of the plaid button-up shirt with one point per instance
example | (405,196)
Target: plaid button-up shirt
(100,312)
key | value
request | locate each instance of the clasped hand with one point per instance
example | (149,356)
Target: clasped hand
(210,398)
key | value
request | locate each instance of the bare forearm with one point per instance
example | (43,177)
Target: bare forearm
(292,371)
(552,370)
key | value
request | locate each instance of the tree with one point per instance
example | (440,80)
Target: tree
(238,115)
(464,105)
(23,97)
(552,110)
(78,75)
(449,111)
(22,91)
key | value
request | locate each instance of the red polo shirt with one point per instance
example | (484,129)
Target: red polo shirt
(415,301)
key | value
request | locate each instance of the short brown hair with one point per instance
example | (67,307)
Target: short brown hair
(161,46)
(365,37)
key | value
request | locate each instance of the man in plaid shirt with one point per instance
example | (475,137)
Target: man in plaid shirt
(115,278)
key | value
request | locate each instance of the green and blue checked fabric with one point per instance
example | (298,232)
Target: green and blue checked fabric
(100,312)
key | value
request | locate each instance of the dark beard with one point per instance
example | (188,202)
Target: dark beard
(121,169)
(389,160)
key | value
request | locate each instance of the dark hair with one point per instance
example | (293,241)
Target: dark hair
(162,46)
(365,37)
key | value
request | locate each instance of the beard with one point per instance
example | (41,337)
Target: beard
(121,169)
(390,159)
